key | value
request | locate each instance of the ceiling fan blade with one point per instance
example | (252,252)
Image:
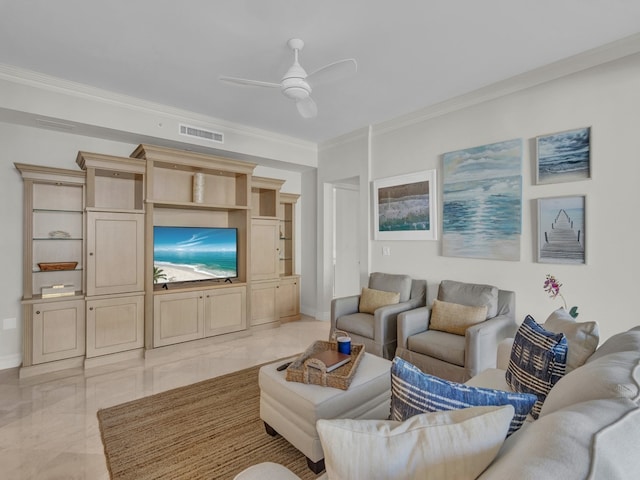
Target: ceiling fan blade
(307,107)
(247,82)
(333,71)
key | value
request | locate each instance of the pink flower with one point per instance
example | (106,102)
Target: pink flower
(552,287)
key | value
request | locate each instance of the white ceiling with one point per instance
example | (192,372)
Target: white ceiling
(411,53)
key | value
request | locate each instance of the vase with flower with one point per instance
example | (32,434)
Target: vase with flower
(552,287)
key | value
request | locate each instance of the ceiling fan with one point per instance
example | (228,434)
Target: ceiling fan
(296,84)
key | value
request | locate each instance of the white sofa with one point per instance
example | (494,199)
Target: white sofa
(589,425)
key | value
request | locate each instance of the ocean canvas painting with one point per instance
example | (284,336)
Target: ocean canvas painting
(564,156)
(482,209)
(405,207)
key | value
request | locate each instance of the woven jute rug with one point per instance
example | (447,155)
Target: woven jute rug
(208,430)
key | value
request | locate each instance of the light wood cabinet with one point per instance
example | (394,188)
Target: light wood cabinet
(225,310)
(191,315)
(222,199)
(265,249)
(58,330)
(53,232)
(114,324)
(264,301)
(115,253)
(289,299)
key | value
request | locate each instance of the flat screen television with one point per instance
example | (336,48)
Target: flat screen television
(190,254)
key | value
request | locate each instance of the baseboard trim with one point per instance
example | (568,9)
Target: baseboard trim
(10,361)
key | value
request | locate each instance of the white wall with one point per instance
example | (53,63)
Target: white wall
(607,98)
(345,158)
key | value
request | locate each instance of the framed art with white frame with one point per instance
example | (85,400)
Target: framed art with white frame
(563,156)
(405,207)
(561,230)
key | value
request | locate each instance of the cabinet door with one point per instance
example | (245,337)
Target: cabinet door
(263,302)
(225,310)
(289,299)
(58,330)
(115,253)
(115,325)
(177,317)
(265,249)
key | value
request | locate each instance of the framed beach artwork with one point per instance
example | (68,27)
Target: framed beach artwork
(482,201)
(561,230)
(405,207)
(563,156)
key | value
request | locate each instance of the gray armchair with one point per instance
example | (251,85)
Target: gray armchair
(377,331)
(452,356)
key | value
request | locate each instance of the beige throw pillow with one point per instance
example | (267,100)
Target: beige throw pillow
(455,318)
(582,338)
(371,300)
(456,444)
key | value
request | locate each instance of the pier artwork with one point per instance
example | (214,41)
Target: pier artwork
(562,241)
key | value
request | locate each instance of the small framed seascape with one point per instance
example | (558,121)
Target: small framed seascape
(563,156)
(405,207)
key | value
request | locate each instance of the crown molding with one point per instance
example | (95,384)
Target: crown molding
(49,83)
(360,134)
(553,71)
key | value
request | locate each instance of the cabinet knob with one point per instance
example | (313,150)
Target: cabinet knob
(91,254)
(91,309)
(37,312)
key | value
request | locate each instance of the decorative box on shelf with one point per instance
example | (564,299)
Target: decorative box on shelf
(58,291)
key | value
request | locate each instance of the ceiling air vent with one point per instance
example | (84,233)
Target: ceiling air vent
(190,131)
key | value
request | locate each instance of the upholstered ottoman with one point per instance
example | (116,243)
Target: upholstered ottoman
(292,409)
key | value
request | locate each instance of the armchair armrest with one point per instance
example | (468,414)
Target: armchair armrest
(481,342)
(342,306)
(412,322)
(385,324)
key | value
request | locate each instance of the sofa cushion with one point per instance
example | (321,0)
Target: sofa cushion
(443,346)
(356,323)
(538,360)
(371,300)
(582,337)
(455,444)
(390,282)
(572,443)
(471,294)
(454,317)
(612,376)
(414,392)
(628,341)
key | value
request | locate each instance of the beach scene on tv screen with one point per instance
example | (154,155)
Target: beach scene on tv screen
(184,254)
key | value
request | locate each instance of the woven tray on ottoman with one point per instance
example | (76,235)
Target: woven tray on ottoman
(301,371)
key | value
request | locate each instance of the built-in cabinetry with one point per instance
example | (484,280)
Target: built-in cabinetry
(114,254)
(195,190)
(265,251)
(53,274)
(289,291)
(89,291)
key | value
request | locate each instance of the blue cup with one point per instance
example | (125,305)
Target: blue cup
(344,345)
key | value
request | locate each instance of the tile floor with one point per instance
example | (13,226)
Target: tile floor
(48,424)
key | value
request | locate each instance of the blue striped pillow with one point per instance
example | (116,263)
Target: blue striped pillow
(538,360)
(414,392)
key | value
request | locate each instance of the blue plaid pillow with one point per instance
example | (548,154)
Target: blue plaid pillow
(538,360)
(414,392)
